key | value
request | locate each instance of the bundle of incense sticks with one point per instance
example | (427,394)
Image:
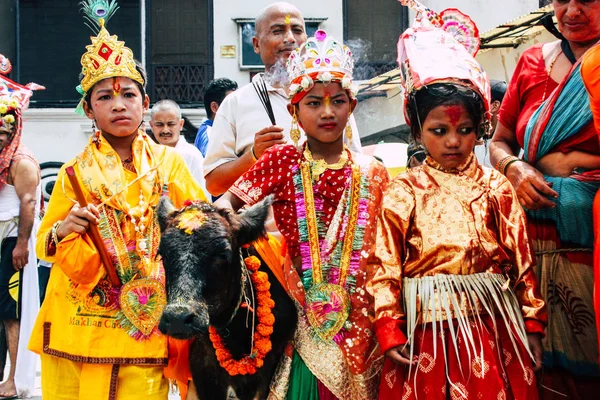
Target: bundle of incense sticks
(93,231)
(263,94)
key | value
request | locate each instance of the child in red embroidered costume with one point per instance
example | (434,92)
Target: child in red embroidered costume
(324,197)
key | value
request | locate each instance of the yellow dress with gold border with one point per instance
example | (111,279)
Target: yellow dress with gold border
(83,318)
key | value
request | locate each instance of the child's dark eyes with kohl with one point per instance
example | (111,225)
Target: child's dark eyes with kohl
(442,131)
(316,103)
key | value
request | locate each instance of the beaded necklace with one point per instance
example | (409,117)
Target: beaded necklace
(330,265)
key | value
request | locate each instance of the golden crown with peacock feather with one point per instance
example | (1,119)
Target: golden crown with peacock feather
(107,56)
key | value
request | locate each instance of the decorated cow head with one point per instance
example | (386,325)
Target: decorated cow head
(200,248)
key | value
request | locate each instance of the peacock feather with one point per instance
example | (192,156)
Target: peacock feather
(98,12)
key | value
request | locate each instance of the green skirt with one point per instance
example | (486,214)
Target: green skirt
(303,384)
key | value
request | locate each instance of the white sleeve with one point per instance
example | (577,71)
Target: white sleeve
(197,170)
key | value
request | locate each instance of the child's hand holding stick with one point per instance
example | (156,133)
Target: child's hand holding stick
(93,231)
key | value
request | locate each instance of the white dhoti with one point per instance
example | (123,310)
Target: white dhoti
(30,298)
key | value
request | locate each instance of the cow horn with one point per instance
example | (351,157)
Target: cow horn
(164,210)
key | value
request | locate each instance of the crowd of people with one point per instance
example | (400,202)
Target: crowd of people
(453,280)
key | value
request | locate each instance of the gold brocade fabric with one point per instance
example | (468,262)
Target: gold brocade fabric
(461,222)
(327,362)
(280,381)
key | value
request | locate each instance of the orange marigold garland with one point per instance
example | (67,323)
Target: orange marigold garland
(249,364)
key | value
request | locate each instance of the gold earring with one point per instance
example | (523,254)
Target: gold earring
(295,130)
(349,130)
(96,139)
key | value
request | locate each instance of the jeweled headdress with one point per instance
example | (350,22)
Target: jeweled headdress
(107,56)
(12,95)
(440,48)
(320,59)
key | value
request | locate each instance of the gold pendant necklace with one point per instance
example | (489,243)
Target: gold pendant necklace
(317,167)
(549,73)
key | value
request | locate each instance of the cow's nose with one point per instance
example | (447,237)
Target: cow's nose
(176,320)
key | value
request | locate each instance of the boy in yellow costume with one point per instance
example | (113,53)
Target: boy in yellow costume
(98,339)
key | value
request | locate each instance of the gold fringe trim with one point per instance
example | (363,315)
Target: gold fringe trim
(435,299)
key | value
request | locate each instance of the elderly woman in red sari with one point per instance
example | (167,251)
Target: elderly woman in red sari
(546,112)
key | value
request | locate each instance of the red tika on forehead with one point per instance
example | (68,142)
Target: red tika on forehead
(454,113)
(116,86)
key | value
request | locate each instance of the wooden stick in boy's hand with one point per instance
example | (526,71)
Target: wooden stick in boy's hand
(93,231)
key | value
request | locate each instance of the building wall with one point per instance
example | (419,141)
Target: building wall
(58,134)
(7,29)
(226,31)
(500,63)
(380,113)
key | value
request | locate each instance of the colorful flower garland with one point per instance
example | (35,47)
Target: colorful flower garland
(330,255)
(329,263)
(249,364)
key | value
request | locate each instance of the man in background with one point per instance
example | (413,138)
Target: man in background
(20,196)
(242,129)
(214,94)
(166,124)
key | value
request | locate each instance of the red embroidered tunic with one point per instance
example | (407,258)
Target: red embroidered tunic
(272,174)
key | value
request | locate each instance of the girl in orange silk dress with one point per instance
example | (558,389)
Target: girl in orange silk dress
(451,241)
(458,312)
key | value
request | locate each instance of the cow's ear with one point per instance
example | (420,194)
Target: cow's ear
(164,210)
(252,221)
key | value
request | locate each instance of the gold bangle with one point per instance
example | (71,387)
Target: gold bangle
(511,161)
(505,162)
(502,161)
(252,154)
(54,230)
